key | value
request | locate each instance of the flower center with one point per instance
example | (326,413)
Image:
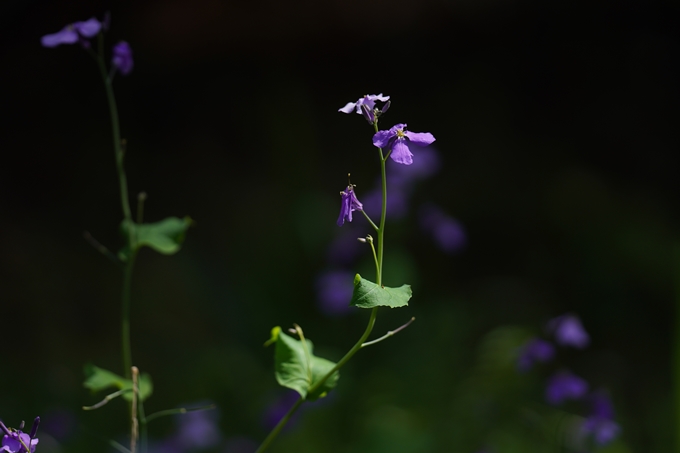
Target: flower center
(400,133)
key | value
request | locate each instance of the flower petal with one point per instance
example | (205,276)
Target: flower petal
(66,36)
(378,97)
(400,152)
(382,138)
(88,28)
(348,108)
(420,138)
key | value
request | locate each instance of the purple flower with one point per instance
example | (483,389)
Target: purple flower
(198,429)
(15,441)
(600,424)
(535,350)
(397,139)
(73,33)
(348,204)
(569,331)
(564,386)
(334,292)
(368,100)
(446,231)
(122,57)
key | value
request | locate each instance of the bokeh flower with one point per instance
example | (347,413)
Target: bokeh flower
(565,386)
(447,232)
(568,331)
(334,292)
(349,204)
(73,33)
(535,350)
(600,423)
(398,140)
(122,57)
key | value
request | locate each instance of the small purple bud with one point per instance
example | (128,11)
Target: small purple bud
(385,107)
(34,428)
(122,57)
(368,113)
(106,22)
(4,428)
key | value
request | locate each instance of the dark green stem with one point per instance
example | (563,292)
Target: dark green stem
(279,426)
(126,303)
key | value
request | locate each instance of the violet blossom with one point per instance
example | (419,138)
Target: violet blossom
(565,386)
(15,441)
(367,100)
(535,350)
(398,139)
(122,57)
(73,33)
(569,331)
(348,204)
(600,423)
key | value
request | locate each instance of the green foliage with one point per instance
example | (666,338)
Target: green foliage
(165,237)
(368,294)
(97,379)
(297,368)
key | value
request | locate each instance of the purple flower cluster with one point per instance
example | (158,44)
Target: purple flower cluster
(82,32)
(567,331)
(196,430)
(15,441)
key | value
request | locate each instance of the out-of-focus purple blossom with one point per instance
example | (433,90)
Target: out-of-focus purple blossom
(568,331)
(334,292)
(600,423)
(447,232)
(349,204)
(279,408)
(122,57)
(16,441)
(59,423)
(345,248)
(73,33)
(535,350)
(603,430)
(367,100)
(427,164)
(397,199)
(398,140)
(198,430)
(565,386)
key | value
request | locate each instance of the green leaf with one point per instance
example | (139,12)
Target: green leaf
(98,379)
(165,237)
(300,370)
(368,295)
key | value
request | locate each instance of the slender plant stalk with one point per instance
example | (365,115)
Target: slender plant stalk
(119,153)
(371,321)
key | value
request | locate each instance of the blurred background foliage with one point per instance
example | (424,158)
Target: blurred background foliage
(558,156)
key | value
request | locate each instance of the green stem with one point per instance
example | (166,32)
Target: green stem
(275,432)
(126,302)
(115,128)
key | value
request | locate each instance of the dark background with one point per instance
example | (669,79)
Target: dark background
(555,127)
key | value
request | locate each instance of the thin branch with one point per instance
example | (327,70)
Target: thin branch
(101,248)
(106,399)
(389,334)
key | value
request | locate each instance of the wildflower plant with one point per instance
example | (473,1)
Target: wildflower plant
(165,236)
(296,366)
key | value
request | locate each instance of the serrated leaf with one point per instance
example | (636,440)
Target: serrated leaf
(368,294)
(165,237)
(300,370)
(97,379)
